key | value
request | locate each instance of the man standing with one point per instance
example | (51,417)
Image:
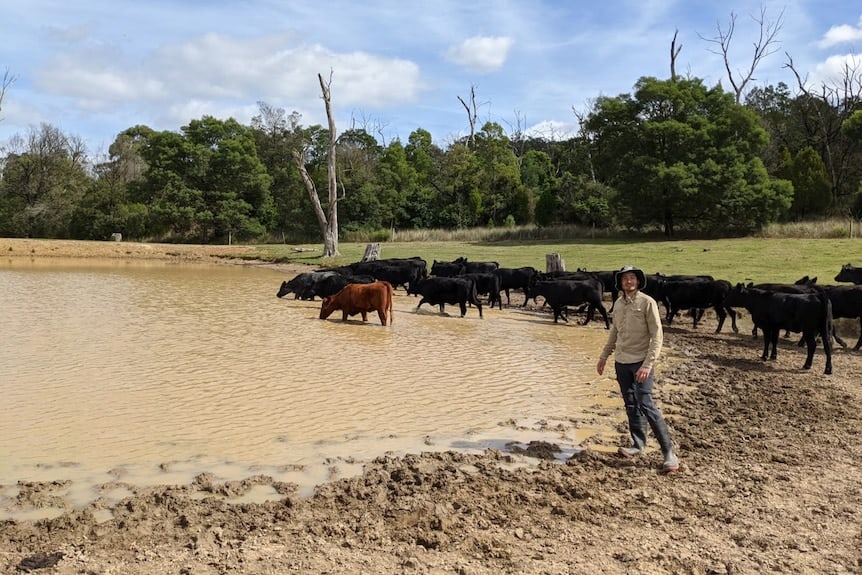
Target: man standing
(635,339)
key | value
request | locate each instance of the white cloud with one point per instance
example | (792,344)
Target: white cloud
(553,130)
(481,53)
(832,71)
(214,67)
(842,34)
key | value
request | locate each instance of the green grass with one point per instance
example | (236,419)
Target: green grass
(736,260)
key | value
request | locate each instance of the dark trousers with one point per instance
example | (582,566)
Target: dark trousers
(640,407)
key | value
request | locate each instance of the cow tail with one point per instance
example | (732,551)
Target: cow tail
(389,311)
(826,325)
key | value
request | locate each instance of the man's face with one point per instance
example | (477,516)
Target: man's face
(629,282)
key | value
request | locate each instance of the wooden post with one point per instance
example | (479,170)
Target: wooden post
(372,252)
(554,263)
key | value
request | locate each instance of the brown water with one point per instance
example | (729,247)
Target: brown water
(150,373)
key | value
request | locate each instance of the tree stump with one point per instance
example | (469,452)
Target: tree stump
(554,263)
(372,252)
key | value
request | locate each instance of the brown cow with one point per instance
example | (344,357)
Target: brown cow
(361,298)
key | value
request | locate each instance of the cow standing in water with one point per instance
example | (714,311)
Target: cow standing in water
(361,299)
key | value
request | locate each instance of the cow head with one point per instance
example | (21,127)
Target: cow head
(327,307)
(284,290)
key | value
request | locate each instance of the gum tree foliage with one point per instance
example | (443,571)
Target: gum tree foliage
(106,206)
(206,183)
(275,137)
(44,179)
(683,155)
(502,193)
(811,188)
(426,159)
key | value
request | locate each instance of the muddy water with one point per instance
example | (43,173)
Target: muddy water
(150,373)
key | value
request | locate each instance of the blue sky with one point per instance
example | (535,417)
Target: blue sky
(93,68)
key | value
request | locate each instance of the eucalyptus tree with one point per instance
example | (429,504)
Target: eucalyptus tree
(500,187)
(45,175)
(426,159)
(326,210)
(107,206)
(680,154)
(825,109)
(206,182)
(811,187)
(364,204)
(459,201)
(275,138)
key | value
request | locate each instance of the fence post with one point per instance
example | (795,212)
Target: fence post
(372,252)
(554,263)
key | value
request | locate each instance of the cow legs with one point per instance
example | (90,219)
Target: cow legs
(365,316)
(463,308)
(604,316)
(382,315)
(811,342)
(732,313)
(827,349)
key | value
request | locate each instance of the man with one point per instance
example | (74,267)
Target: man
(635,339)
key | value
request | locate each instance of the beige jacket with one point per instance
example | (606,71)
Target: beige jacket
(636,333)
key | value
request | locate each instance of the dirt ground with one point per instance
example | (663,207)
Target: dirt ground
(769,482)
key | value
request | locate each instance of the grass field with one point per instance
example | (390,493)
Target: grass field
(736,260)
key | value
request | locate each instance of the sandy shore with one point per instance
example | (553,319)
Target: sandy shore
(770,482)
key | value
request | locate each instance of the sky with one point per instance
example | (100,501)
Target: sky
(93,68)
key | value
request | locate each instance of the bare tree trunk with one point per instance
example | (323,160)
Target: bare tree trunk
(330,234)
(8,80)
(674,52)
(472,114)
(328,221)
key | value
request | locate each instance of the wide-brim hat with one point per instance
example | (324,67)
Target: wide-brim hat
(625,269)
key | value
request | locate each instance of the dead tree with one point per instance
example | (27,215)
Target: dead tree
(5,83)
(840,98)
(472,115)
(674,52)
(765,45)
(328,220)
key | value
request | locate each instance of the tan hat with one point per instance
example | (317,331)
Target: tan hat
(625,269)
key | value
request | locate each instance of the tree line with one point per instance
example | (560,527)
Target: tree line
(674,154)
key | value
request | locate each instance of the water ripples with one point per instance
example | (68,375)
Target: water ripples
(132,366)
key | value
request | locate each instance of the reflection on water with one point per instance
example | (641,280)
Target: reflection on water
(152,373)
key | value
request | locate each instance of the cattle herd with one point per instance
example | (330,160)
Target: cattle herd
(804,307)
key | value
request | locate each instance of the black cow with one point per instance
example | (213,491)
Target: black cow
(607,278)
(331,285)
(442,290)
(772,311)
(447,269)
(516,278)
(487,283)
(846,303)
(560,294)
(697,295)
(802,285)
(849,273)
(397,271)
(552,276)
(302,285)
(476,267)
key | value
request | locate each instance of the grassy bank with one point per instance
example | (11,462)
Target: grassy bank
(736,260)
